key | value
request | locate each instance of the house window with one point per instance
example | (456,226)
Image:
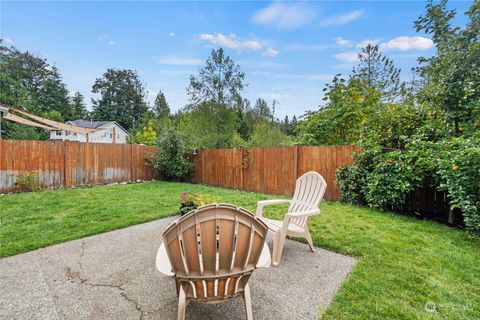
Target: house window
(58,132)
(118,135)
(111,135)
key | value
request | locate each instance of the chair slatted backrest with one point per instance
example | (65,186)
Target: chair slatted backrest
(214,249)
(309,191)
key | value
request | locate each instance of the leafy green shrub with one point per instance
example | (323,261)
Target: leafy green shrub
(27,181)
(384,179)
(352,179)
(172,161)
(459,175)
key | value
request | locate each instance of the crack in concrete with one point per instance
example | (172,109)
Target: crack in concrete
(135,303)
(76,276)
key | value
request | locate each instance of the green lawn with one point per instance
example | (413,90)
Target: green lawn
(403,263)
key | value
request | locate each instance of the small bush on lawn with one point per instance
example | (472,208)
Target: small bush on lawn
(172,161)
(27,181)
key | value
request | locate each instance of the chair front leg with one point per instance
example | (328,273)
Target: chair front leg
(279,242)
(308,236)
(182,304)
(248,302)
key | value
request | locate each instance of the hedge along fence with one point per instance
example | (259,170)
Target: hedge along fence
(271,170)
(54,164)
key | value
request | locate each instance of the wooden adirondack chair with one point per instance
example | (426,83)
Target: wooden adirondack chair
(309,191)
(211,252)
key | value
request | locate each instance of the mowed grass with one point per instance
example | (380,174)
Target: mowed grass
(407,268)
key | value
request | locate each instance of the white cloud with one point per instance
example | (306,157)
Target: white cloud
(172,34)
(306,47)
(343,19)
(405,43)
(231,41)
(177,60)
(343,42)
(347,56)
(284,16)
(7,40)
(270,52)
(106,38)
(366,42)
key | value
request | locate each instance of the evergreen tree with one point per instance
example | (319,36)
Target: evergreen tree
(29,83)
(122,97)
(53,95)
(379,72)
(79,108)
(161,107)
(293,125)
(286,125)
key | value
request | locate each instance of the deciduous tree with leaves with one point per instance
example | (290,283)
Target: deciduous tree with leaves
(220,81)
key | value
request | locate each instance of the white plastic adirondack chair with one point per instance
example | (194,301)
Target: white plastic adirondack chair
(309,191)
(212,252)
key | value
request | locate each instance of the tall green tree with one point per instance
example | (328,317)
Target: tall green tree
(453,74)
(161,107)
(79,108)
(30,83)
(379,72)
(262,110)
(53,96)
(220,81)
(349,104)
(244,118)
(122,97)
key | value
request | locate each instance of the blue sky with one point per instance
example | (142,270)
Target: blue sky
(288,50)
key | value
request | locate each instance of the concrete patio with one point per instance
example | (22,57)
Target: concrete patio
(112,276)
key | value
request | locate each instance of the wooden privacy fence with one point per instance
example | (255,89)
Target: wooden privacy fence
(65,164)
(270,170)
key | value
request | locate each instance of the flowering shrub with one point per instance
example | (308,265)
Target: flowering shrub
(191,201)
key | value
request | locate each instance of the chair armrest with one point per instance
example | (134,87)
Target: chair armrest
(306,213)
(265,259)
(162,262)
(264,203)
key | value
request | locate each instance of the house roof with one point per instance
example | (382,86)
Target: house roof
(90,124)
(94,124)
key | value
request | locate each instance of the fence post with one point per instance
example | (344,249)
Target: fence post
(296,161)
(241,169)
(65,150)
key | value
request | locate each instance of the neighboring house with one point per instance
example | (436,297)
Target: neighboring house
(108,132)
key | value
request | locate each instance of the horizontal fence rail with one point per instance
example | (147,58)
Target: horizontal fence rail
(271,170)
(64,164)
